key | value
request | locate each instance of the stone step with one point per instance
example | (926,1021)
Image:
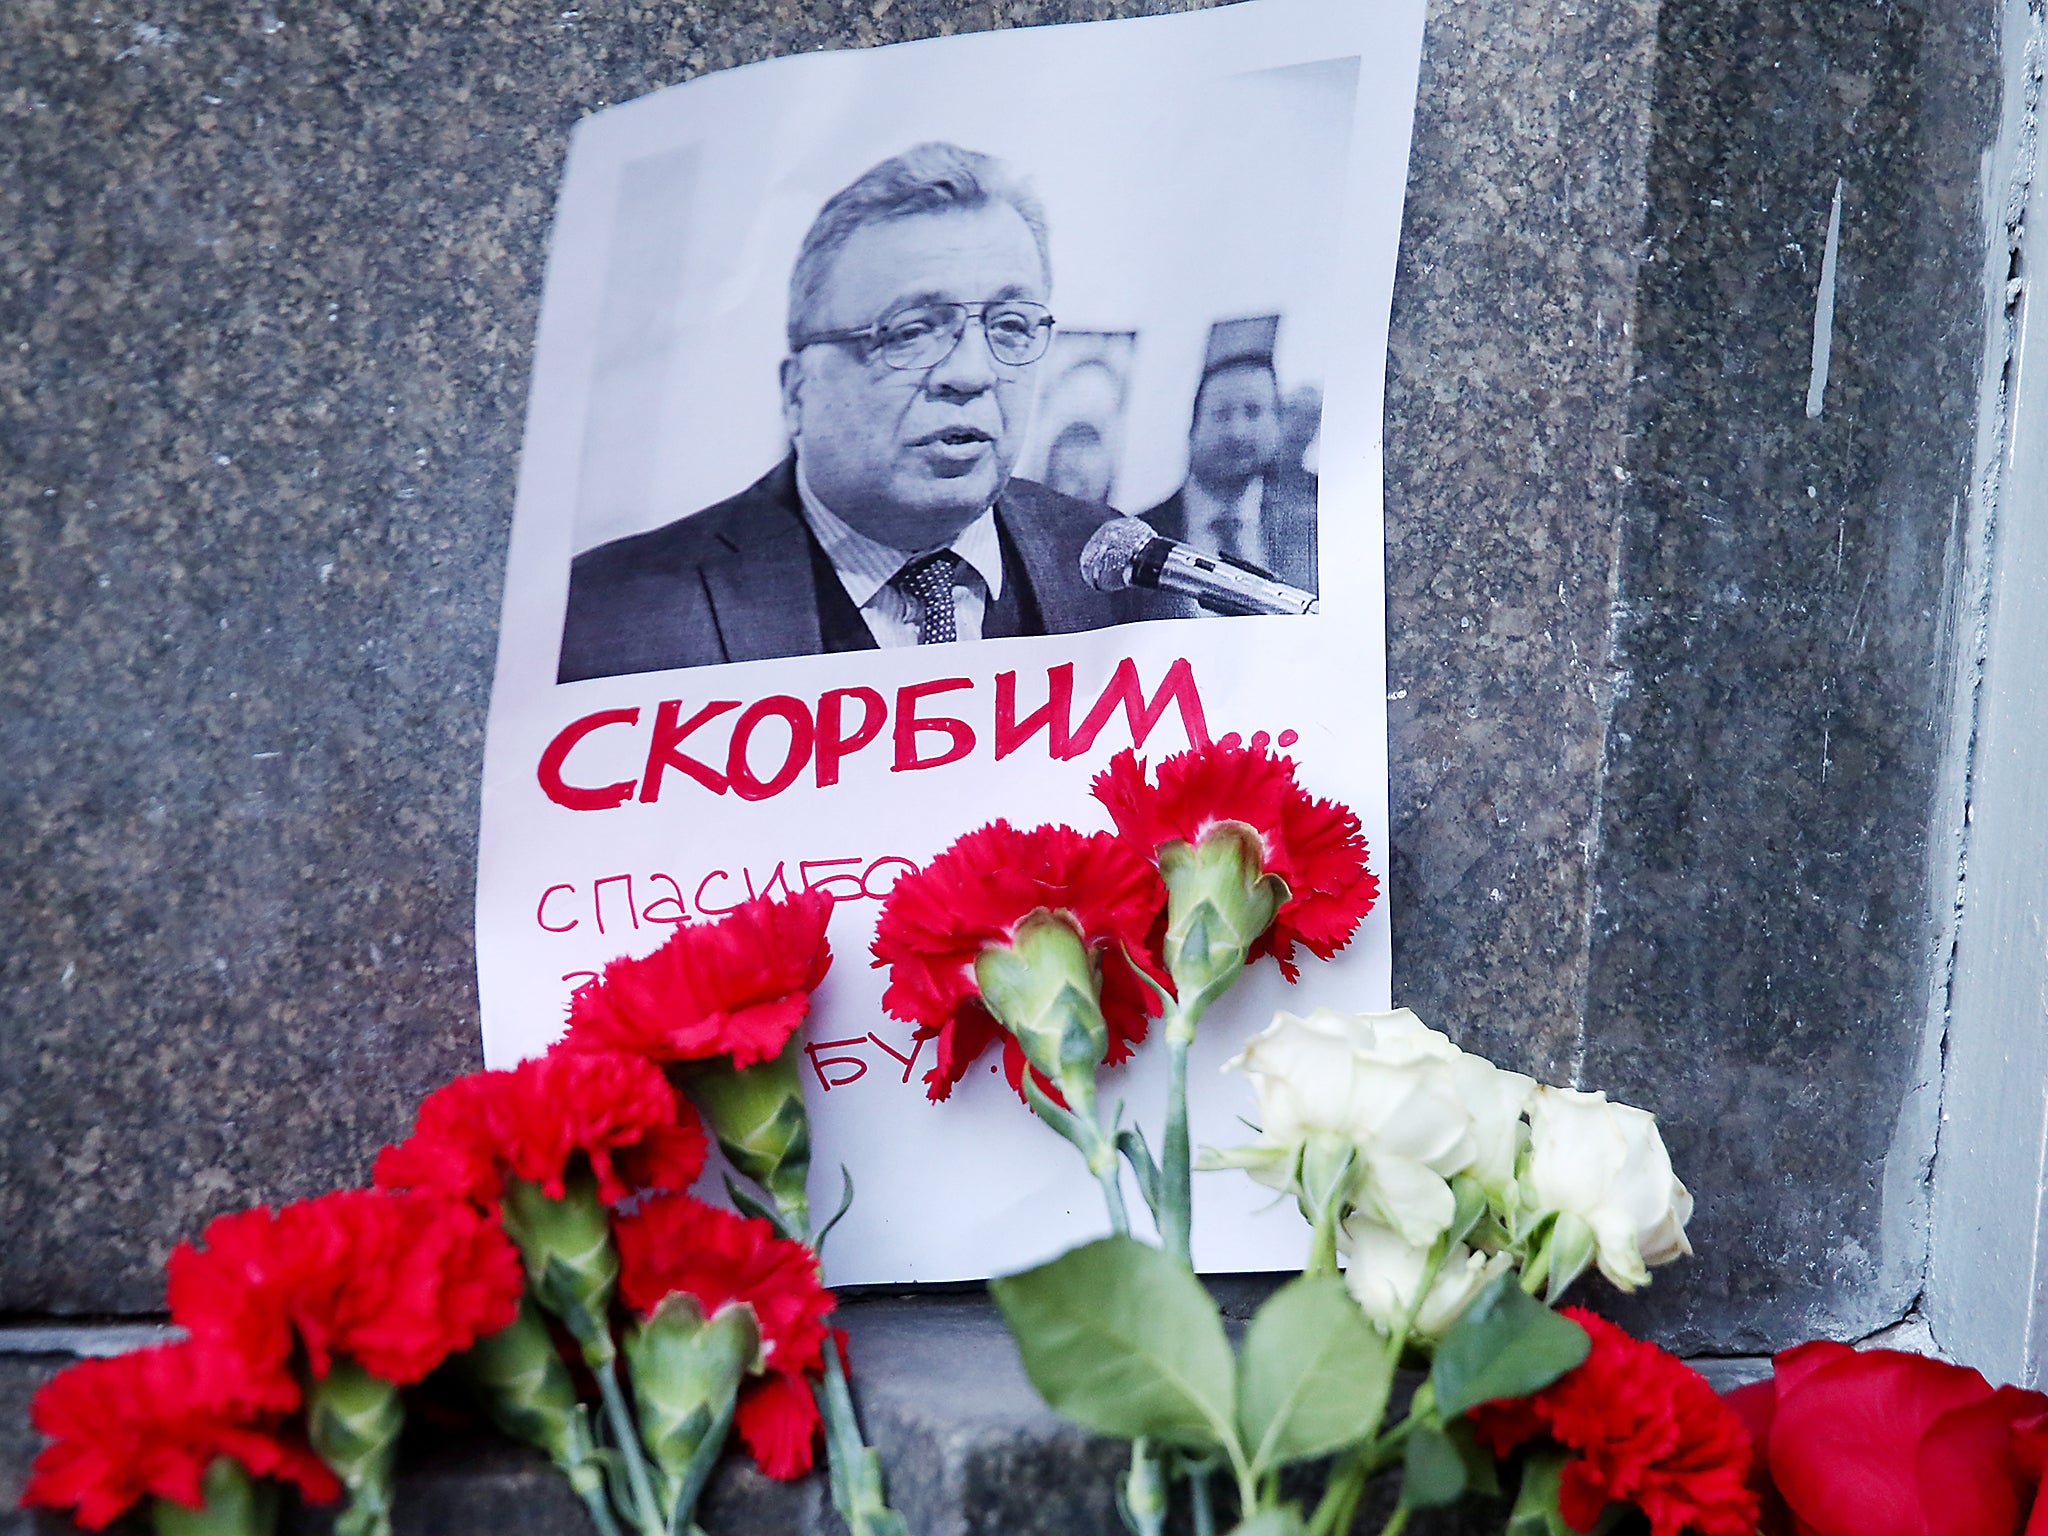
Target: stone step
(968,1448)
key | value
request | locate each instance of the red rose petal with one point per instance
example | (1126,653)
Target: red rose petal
(1970,1480)
(1844,1441)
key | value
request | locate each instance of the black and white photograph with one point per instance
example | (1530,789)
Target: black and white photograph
(1009,392)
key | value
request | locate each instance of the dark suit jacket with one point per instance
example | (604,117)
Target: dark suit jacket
(738,582)
(1287,525)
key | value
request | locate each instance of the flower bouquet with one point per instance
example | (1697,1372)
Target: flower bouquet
(534,1240)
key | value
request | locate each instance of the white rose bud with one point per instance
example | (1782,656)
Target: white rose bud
(1605,1166)
(1385,1271)
(1416,1109)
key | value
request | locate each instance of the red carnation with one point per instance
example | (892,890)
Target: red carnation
(738,987)
(532,1122)
(1315,846)
(395,1282)
(151,1423)
(675,1243)
(1879,1442)
(778,1419)
(937,922)
(1647,1430)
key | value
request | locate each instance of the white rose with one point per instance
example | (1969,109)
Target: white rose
(1604,1165)
(1385,1271)
(1496,1101)
(1417,1110)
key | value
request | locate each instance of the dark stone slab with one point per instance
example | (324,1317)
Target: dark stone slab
(1769,939)
(1507,390)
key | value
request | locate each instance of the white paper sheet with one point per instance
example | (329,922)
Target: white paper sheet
(1243,165)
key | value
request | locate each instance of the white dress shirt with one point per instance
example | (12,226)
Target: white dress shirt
(865,567)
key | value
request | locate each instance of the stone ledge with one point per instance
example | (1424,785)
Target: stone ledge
(968,1448)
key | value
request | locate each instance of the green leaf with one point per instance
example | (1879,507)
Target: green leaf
(1122,1338)
(1131,1142)
(1315,1374)
(1433,1473)
(1505,1344)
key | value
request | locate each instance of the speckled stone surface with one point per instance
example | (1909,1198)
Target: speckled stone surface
(1767,934)
(1507,402)
(268,281)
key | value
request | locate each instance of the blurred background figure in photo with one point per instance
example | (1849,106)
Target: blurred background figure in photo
(1301,427)
(1247,496)
(1078,463)
(1081,414)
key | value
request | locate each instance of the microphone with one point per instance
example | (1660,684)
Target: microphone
(1130,552)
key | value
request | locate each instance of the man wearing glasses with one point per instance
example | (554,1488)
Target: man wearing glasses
(917,313)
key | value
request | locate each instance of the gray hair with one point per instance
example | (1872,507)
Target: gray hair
(927,178)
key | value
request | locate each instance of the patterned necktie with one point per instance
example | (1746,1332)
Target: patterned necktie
(1227,533)
(928,582)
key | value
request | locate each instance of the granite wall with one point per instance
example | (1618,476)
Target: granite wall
(1667,648)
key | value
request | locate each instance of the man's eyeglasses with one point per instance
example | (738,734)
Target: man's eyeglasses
(924,335)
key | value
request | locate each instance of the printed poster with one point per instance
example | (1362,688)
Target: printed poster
(911,430)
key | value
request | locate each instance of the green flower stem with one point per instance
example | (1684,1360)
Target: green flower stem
(527,1390)
(1203,1501)
(1247,1488)
(1147,1489)
(1381,1452)
(1537,1272)
(1432,1267)
(1086,1137)
(626,1435)
(1176,1185)
(1346,1487)
(681,1518)
(1396,1521)
(353,1420)
(1340,1496)
(600,1509)
(1322,1246)
(856,1470)
(1113,1199)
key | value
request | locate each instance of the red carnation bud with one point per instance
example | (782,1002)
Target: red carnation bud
(165,1422)
(1243,807)
(981,895)
(735,988)
(679,1249)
